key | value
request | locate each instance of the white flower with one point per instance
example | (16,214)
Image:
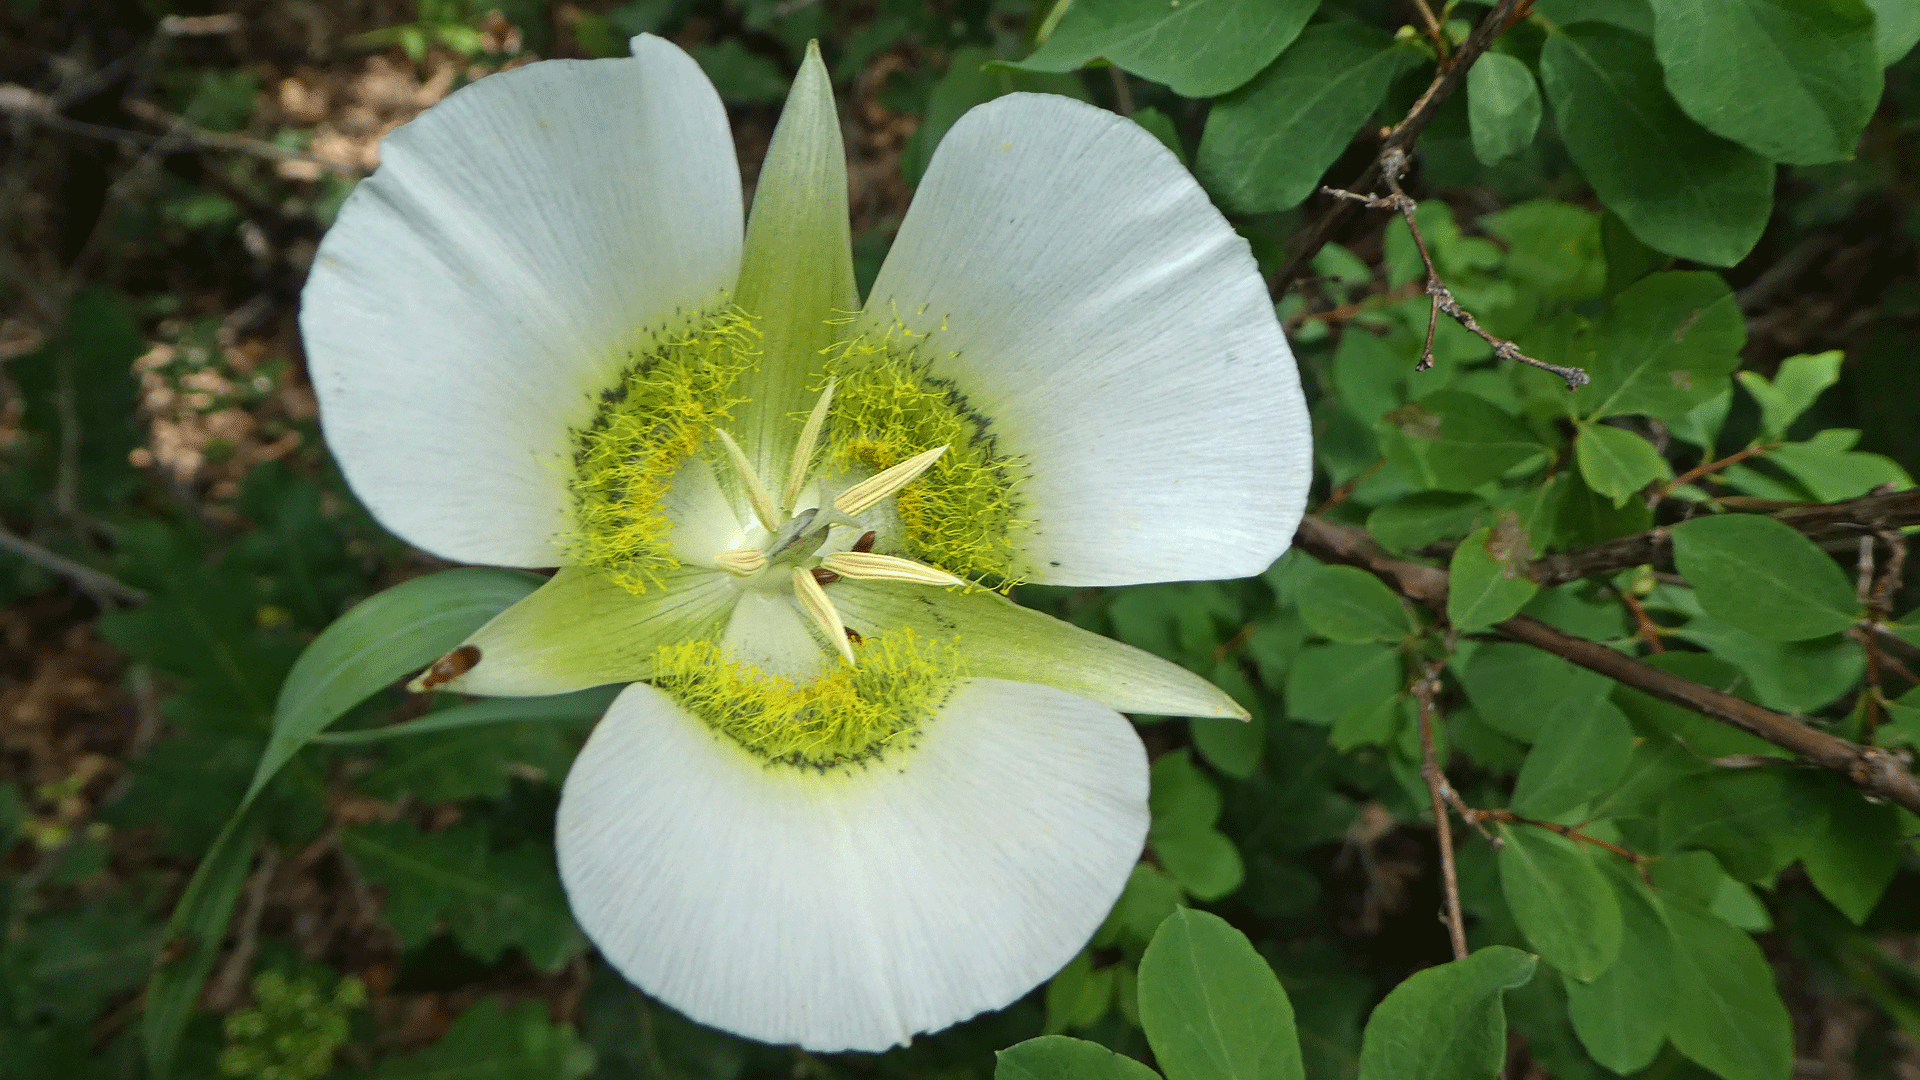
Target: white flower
(854,798)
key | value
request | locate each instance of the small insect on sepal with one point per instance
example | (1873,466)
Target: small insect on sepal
(446,669)
(824,576)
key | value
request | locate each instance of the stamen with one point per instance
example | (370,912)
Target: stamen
(866,566)
(867,492)
(742,561)
(813,601)
(803,451)
(763,507)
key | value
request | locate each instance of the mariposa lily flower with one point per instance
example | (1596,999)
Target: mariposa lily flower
(853,792)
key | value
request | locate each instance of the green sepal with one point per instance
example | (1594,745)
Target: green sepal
(582,629)
(796,272)
(999,639)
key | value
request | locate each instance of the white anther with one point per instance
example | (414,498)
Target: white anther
(803,450)
(866,566)
(813,600)
(763,507)
(741,561)
(867,492)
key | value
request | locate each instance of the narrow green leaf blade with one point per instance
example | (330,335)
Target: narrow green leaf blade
(1759,575)
(1679,188)
(382,638)
(1447,1022)
(199,921)
(1212,1008)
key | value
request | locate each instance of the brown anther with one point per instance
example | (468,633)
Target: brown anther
(852,636)
(824,576)
(865,543)
(450,667)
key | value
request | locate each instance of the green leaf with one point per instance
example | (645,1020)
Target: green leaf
(1726,1014)
(1078,996)
(1794,80)
(1856,859)
(1560,900)
(1419,519)
(199,921)
(1455,441)
(1231,746)
(1486,580)
(1150,896)
(1516,687)
(1795,676)
(1616,462)
(1185,804)
(489,1042)
(1327,680)
(1678,187)
(1266,145)
(1552,246)
(1621,1016)
(1447,1022)
(75,960)
(1348,604)
(1830,470)
(1581,753)
(382,638)
(1665,345)
(1896,28)
(1056,1057)
(586,704)
(490,900)
(1211,1007)
(1761,576)
(1792,391)
(1199,48)
(1755,821)
(1503,106)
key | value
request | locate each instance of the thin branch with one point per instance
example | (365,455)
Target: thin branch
(1393,165)
(1446,79)
(1571,832)
(1424,691)
(1846,520)
(223,990)
(1871,769)
(104,591)
(17,100)
(1707,467)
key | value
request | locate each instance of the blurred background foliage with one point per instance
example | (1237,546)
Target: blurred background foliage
(1725,239)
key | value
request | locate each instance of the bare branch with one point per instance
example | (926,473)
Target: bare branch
(1450,74)
(1846,520)
(104,591)
(1424,691)
(1871,769)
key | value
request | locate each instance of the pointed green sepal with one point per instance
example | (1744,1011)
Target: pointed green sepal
(796,273)
(999,639)
(582,629)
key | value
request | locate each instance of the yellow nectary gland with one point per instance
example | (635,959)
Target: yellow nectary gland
(663,409)
(960,515)
(845,716)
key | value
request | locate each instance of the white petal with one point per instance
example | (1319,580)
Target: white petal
(482,286)
(581,629)
(1116,331)
(852,909)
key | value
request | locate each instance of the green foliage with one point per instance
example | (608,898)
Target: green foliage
(1212,1007)
(489,1042)
(1447,1022)
(292,1029)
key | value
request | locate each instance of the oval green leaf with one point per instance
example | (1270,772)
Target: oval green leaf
(1486,580)
(1757,574)
(1679,187)
(1503,107)
(1616,462)
(1580,754)
(1212,1008)
(1447,1022)
(1560,900)
(1345,603)
(1057,1057)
